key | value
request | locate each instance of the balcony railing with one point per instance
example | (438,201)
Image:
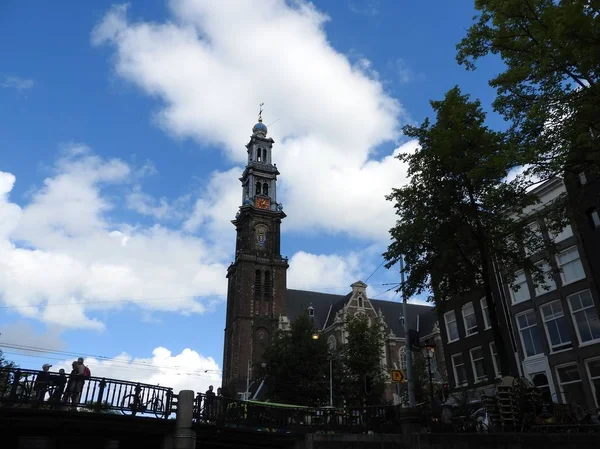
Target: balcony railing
(28,388)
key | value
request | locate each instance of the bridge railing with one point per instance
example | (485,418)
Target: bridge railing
(221,411)
(27,388)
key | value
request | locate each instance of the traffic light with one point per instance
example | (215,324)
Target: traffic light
(445,391)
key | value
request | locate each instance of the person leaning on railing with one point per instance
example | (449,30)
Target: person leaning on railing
(42,382)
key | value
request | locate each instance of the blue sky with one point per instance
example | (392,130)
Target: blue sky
(123,133)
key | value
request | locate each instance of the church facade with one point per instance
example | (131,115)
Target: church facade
(259,302)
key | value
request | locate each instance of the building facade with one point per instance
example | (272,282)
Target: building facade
(259,302)
(553,328)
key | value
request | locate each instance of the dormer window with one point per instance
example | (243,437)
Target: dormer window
(311,311)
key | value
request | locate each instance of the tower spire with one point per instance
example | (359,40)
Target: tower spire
(260,107)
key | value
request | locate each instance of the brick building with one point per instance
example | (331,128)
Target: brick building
(259,302)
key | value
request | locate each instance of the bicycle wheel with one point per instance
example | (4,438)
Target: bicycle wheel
(129,404)
(158,407)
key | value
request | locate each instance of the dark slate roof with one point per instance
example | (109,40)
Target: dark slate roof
(326,305)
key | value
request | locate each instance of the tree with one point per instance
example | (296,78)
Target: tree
(458,216)
(363,378)
(297,365)
(5,376)
(550,90)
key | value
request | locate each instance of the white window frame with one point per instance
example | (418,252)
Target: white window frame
(591,379)
(448,329)
(521,334)
(524,286)
(494,350)
(484,377)
(548,278)
(573,312)
(466,382)
(562,274)
(560,384)
(485,311)
(472,330)
(565,344)
(566,233)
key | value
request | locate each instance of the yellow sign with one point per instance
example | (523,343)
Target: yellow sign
(398,375)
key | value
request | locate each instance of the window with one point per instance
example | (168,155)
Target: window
(562,235)
(451,327)
(257,279)
(540,381)
(520,284)
(556,327)
(258,186)
(361,302)
(267,289)
(530,334)
(582,178)
(594,218)
(331,342)
(570,266)
(585,316)
(265,189)
(264,155)
(549,283)
(570,384)
(477,364)
(468,313)
(402,357)
(460,373)
(536,237)
(258,155)
(593,369)
(311,311)
(486,314)
(495,358)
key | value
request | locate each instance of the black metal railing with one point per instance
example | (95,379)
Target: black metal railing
(28,388)
(221,411)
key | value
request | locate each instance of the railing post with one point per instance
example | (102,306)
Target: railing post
(102,387)
(185,437)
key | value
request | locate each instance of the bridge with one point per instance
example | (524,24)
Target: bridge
(50,410)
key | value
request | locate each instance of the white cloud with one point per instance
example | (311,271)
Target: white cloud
(16,82)
(333,114)
(61,256)
(320,272)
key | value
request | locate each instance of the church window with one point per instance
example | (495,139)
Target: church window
(265,189)
(264,156)
(267,291)
(258,186)
(257,276)
(361,302)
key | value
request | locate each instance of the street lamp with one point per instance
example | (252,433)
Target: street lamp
(315,336)
(429,354)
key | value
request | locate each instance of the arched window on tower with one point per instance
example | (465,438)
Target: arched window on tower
(258,154)
(257,276)
(267,290)
(265,189)
(258,186)
(264,155)
(402,356)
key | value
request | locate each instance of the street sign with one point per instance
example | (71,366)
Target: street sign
(398,375)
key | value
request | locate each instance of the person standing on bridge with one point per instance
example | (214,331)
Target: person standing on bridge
(42,382)
(209,403)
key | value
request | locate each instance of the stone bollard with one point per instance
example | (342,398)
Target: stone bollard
(184,437)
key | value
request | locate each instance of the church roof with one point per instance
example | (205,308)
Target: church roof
(326,305)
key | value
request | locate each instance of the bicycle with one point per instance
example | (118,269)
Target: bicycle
(133,404)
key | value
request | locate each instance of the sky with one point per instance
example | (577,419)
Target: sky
(122,140)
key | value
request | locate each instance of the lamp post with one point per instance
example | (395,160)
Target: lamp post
(429,353)
(315,336)
(407,343)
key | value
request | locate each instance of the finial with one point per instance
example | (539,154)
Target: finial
(260,112)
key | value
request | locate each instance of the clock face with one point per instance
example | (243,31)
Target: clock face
(263,203)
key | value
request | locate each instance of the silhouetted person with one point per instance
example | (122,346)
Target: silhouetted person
(59,383)
(42,382)
(209,402)
(71,384)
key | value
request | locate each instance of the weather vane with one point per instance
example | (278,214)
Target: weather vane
(260,112)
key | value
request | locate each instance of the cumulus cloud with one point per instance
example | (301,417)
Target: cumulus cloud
(61,256)
(333,114)
(319,271)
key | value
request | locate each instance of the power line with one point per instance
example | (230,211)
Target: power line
(375,271)
(99,357)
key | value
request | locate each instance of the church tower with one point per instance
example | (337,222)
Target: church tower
(257,277)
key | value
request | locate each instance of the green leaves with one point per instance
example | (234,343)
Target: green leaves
(550,90)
